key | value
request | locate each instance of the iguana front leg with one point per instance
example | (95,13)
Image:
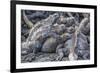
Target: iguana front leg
(60,54)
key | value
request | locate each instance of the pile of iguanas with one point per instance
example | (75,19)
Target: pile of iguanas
(58,33)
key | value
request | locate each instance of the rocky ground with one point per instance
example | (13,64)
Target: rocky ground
(54,36)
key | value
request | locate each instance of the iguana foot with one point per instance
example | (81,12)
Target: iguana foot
(30,57)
